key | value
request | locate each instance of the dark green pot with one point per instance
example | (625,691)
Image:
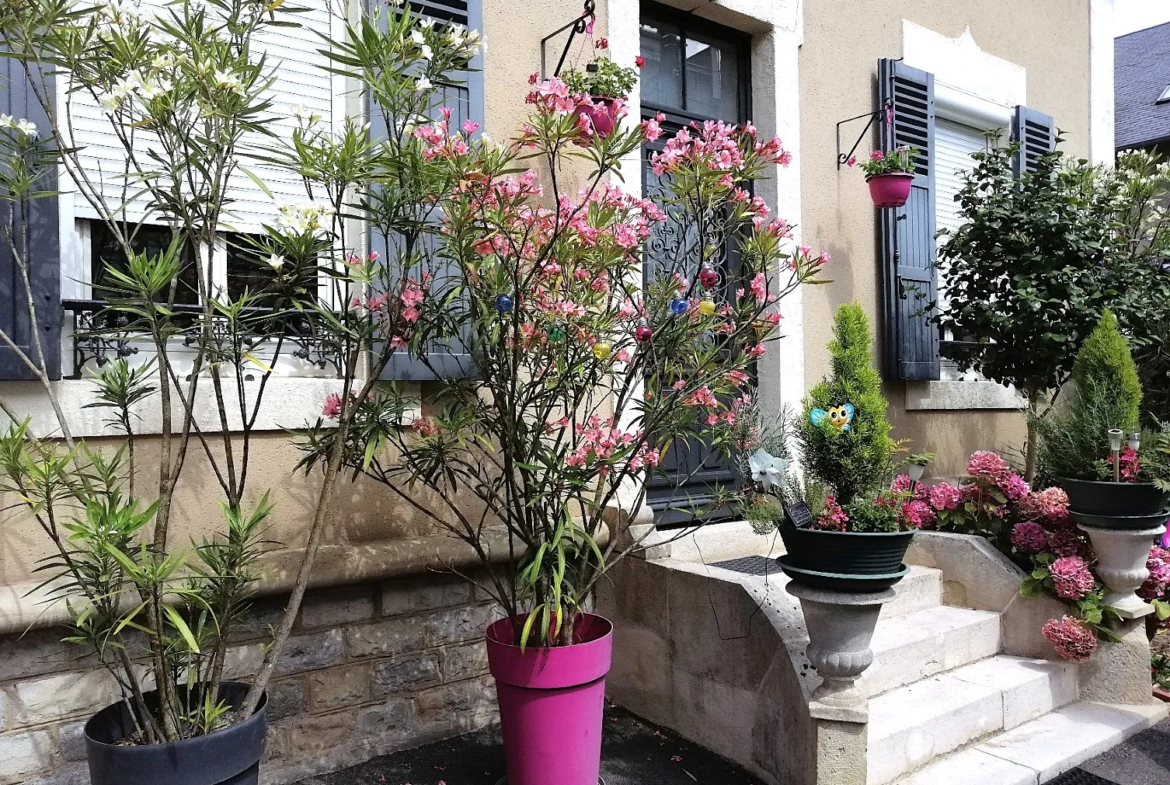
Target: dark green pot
(1116,505)
(863,554)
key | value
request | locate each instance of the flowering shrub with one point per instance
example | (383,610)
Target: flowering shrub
(588,368)
(602,78)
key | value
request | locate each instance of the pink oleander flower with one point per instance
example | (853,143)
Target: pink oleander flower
(1014,487)
(425,426)
(1029,537)
(918,514)
(1071,638)
(1131,467)
(987,466)
(702,397)
(1048,504)
(1071,578)
(332,406)
(945,496)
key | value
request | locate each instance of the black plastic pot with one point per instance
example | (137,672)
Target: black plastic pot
(1116,505)
(844,561)
(226,757)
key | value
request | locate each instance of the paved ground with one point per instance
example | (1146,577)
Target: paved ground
(1143,760)
(639,753)
(635,753)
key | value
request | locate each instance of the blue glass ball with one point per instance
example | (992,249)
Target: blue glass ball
(504,303)
(680,305)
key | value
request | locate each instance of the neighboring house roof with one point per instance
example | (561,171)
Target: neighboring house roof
(1141,77)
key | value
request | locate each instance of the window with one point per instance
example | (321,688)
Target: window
(1165,96)
(149,239)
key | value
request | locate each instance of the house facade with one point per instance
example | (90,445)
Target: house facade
(386,654)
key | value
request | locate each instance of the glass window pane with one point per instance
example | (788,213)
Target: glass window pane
(662,76)
(712,78)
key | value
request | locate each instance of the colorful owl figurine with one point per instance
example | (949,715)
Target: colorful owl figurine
(838,416)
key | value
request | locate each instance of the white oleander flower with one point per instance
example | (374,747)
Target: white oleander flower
(276,261)
(423,84)
(229,81)
(27,128)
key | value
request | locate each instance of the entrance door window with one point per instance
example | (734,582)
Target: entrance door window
(695,71)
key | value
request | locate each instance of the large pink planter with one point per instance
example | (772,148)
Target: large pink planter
(551,703)
(602,115)
(890,190)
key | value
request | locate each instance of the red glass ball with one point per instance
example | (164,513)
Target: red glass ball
(709,278)
(643,334)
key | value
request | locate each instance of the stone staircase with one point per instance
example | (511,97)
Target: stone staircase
(963,689)
(947,707)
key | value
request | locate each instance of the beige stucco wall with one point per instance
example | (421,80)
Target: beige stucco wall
(838,79)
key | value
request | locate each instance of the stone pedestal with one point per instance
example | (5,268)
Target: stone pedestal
(1121,563)
(840,628)
(1119,672)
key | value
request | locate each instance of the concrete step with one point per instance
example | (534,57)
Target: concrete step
(1042,749)
(912,725)
(926,643)
(919,590)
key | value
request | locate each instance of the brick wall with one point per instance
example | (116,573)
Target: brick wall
(370,669)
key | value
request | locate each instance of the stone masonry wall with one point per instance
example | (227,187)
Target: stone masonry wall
(370,669)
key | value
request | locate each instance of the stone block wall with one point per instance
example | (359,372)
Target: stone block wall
(370,669)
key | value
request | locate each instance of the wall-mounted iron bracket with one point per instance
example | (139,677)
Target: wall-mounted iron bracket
(580,25)
(843,158)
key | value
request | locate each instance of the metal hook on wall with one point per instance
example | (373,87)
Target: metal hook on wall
(580,25)
(885,109)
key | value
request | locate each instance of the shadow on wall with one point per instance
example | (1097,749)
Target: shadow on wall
(952,436)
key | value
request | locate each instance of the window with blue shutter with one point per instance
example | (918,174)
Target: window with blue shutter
(909,274)
(450,360)
(34,227)
(1036,133)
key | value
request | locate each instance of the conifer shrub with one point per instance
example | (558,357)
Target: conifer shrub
(854,461)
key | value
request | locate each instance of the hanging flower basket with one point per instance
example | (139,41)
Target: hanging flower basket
(602,115)
(890,190)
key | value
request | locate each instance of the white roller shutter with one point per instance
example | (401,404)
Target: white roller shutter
(300,80)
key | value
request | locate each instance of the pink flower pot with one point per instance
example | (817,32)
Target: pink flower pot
(890,190)
(603,115)
(551,703)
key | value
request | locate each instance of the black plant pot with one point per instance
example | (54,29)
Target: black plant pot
(1134,506)
(226,757)
(844,561)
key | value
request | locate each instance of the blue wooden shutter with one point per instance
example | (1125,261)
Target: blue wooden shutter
(909,273)
(41,219)
(1036,133)
(450,360)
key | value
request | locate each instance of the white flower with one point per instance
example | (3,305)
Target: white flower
(276,261)
(427,23)
(7,121)
(27,128)
(423,84)
(455,33)
(427,53)
(163,60)
(229,81)
(298,111)
(418,38)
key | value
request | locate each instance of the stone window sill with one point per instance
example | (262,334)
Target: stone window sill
(962,396)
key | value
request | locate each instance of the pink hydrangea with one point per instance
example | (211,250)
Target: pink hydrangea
(1064,542)
(945,496)
(1071,578)
(1048,504)
(1071,637)
(987,465)
(901,484)
(1014,487)
(1029,537)
(918,514)
(1158,564)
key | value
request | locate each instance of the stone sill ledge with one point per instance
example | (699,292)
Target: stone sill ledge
(962,396)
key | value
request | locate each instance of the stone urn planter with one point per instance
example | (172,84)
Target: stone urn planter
(1121,563)
(844,561)
(551,703)
(840,628)
(230,756)
(890,190)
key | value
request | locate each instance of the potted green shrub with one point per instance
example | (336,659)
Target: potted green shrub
(842,525)
(1115,477)
(607,85)
(890,175)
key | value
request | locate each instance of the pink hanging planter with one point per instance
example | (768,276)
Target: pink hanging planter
(603,116)
(890,190)
(551,703)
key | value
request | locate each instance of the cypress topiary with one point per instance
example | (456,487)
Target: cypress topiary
(1108,395)
(854,462)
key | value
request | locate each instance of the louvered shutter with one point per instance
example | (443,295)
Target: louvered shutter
(41,219)
(449,360)
(909,273)
(1036,133)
